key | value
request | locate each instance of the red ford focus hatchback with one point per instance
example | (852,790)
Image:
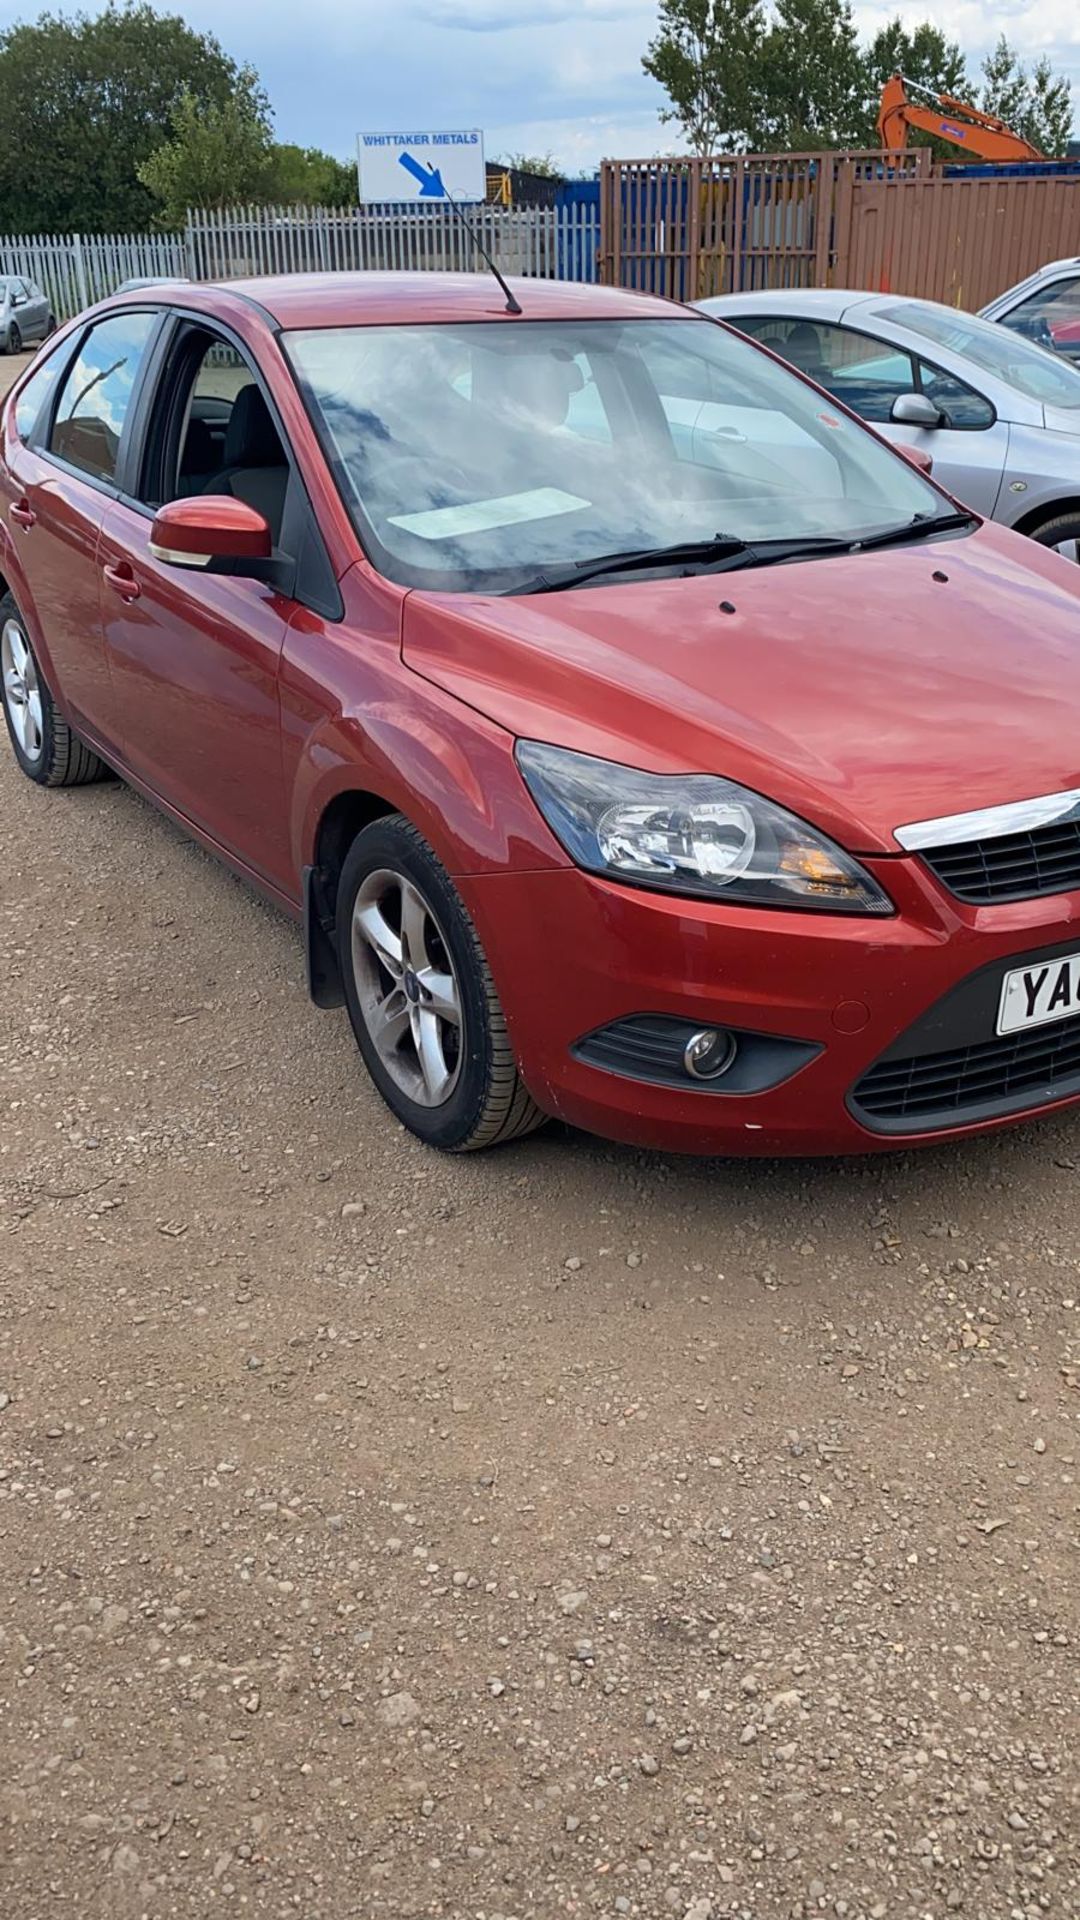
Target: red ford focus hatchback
(639,739)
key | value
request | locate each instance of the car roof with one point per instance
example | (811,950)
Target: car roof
(824,303)
(378,299)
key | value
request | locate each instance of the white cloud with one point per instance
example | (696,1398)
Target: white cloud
(536,75)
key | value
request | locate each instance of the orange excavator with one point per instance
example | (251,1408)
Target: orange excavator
(948,119)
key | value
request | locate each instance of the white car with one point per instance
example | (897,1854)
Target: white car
(999,415)
(1045,307)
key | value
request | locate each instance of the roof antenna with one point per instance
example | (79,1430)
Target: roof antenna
(512,305)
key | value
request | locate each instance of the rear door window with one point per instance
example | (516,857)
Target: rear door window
(94,401)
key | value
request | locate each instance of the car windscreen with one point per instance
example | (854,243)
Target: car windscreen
(473,456)
(1029,369)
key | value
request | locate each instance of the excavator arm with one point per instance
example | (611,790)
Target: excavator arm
(948,119)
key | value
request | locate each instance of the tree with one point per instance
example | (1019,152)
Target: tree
(739,79)
(82,104)
(542,164)
(217,155)
(813,77)
(707,58)
(1035,104)
(307,177)
(923,55)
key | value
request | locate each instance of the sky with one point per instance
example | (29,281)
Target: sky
(537,76)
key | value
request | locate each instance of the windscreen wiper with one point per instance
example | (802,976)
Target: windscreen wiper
(768,553)
(919,528)
(727,553)
(688,553)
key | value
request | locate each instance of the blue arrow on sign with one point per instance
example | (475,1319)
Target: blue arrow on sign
(431,185)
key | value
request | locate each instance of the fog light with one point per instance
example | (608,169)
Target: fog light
(709,1053)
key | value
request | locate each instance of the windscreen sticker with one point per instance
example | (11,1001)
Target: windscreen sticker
(480,516)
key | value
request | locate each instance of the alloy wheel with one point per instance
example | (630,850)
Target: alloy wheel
(21,690)
(409,994)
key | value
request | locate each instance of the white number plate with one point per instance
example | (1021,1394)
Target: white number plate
(1032,996)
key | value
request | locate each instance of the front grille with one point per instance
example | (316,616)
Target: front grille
(1015,866)
(964,1084)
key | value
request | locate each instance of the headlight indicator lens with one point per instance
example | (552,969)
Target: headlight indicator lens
(692,834)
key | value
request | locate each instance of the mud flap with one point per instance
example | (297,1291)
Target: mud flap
(320,951)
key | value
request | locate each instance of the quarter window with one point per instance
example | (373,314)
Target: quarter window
(963,408)
(33,396)
(94,401)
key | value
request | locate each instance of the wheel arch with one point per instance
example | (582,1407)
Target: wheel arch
(343,817)
(1036,517)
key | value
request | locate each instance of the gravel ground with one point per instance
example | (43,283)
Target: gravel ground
(569,1531)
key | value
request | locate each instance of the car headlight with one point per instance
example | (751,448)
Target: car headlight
(691,833)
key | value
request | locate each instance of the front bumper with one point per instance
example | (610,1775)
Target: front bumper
(572,953)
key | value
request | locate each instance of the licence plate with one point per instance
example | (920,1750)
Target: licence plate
(1034,996)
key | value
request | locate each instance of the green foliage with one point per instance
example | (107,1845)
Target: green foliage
(307,177)
(218,155)
(707,56)
(1036,104)
(543,164)
(813,77)
(741,79)
(923,55)
(83,102)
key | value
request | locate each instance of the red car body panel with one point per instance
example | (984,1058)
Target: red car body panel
(862,692)
(354,718)
(193,703)
(819,698)
(581,952)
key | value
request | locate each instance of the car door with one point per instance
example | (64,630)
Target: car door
(64,473)
(969,446)
(194,657)
(870,375)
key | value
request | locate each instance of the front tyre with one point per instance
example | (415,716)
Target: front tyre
(14,339)
(421,998)
(1062,533)
(43,743)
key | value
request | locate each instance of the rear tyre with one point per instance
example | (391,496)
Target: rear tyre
(50,326)
(42,742)
(1063,533)
(421,998)
(14,339)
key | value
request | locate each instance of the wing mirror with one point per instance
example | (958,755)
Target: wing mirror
(918,458)
(213,531)
(914,410)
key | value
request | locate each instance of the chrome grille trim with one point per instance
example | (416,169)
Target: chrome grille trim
(991,823)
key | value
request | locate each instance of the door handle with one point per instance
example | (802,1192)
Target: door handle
(23,514)
(122,581)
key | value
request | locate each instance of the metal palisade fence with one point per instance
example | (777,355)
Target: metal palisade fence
(76,269)
(549,243)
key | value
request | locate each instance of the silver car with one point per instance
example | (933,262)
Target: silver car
(999,415)
(25,314)
(1045,306)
